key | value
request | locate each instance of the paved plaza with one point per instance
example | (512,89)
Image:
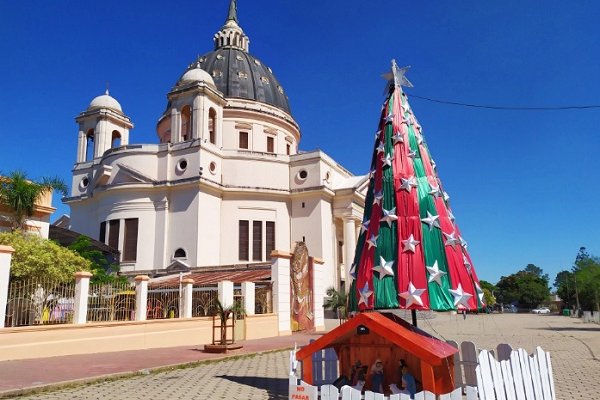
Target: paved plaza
(574,347)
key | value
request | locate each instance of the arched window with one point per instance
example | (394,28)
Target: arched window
(186,123)
(115,139)
(212,125)
(179,253)
(89,145)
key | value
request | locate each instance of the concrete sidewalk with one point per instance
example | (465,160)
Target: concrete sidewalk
(22,376)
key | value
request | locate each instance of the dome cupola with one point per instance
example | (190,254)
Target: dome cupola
(105,101)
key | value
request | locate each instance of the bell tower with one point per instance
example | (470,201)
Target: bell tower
(102,126)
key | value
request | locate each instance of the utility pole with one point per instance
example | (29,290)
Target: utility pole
(576,293)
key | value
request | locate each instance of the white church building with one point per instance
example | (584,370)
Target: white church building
(224,185)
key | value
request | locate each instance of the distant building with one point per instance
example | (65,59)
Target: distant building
(226,183)
(40,221)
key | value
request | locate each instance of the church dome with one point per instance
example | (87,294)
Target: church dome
(238,74)
(105,101)
(196,74)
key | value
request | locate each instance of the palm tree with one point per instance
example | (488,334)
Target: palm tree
(224,313)
(337,302)
(20,195)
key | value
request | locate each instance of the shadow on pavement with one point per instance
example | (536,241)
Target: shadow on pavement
(277,388)
(570,328)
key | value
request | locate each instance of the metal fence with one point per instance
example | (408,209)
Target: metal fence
(39,302)
(204,300)
(111,302)
(263,298)
(164,301)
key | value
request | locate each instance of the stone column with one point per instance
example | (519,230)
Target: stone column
(188,287)
(5,257)
(349,248)
(318,293)
(225,293)
(280,276)
(141,297)
(175,126)
(82,290)
(81,146)
(248,292)
(197,118)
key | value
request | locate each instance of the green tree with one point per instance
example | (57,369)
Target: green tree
(103,271)
(587,275)
(527,288)
(21,194)
(224,313)
(39,258)
(336,301)
(565,287)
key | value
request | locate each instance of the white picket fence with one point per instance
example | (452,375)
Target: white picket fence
(300,390)
(513,375)
(521,377)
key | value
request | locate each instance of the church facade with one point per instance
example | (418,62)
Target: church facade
(226,183)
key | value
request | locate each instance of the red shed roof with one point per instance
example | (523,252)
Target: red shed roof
(399,332)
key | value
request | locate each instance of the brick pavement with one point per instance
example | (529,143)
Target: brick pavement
(574,347)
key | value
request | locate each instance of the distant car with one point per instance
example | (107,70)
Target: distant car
(510,308)
(543,310)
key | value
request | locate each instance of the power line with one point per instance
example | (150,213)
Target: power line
(513,108)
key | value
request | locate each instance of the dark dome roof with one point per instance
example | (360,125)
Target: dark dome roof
(238,74)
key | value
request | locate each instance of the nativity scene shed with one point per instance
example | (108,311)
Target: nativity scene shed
(373,336)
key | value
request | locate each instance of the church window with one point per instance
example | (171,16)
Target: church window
(270,237)
(212,125)
(217,73)
(89,145)
(280,89)
(256,62)
(113,233)
(182,165)
(243,140)
(115,139)
(186,123)
(102,236)
(130,239)
(243,240)
(264,80)
(220,57)
(257,241)
(242,75)
(84,183)
(288,149)
(303,174)
(270,144)
(179,253)
(212,167)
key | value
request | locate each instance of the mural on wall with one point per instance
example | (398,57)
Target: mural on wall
(301,284)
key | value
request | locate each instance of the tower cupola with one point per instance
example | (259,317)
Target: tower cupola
(231,34)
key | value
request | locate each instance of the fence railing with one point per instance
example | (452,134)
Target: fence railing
(111,302)
(263,300)
(204,300)
(39,302)
(164,301)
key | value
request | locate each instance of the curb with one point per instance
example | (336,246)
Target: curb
(55,386)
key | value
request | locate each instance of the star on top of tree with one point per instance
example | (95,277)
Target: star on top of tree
(397,77)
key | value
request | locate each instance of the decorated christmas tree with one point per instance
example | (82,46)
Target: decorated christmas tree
(410,253)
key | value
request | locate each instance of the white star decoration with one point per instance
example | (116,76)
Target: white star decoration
(364,226)
(412,154)
(435,274)
(410,244)
(352,271)
(446,196)
(431,220)
(389,118)
(408,184)
(377,134)
(388,160)
(460,296)
(463,242)
(384,268)
(451,239)
(371,173)
(451,216)
(467,263)
(381,148)
(419,138)
(372,242)
(413,295)
(397,138)
(396,76)
(378,197)
(365,293)
(435,191)
(479,292)
(389,216)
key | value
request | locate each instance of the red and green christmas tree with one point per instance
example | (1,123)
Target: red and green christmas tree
(410,253)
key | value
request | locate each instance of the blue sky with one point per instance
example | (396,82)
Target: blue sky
(523,185)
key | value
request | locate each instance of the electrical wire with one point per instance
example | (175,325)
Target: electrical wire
(510,108)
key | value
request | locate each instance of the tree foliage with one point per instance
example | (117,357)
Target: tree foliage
(587,274)
(336,301)
(39,258)
(565,287)
(21,195)
(103,271)
(528,287)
